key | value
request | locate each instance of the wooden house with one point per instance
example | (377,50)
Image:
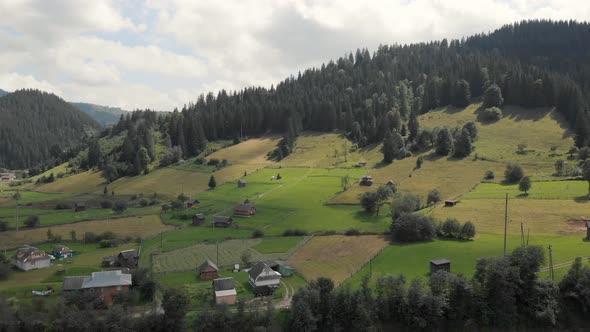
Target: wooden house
(208,270)
(245,209)
(127,258)
(104,284)
(80,206)
(366,180)
(225,291)
(221,221)
(451,202)
(442,264)
(198,219)
(262,275)
(61,251)
(241,183)
(30,258)
(192,202)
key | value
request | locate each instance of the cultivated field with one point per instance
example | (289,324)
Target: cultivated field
(336,257)
(132,226)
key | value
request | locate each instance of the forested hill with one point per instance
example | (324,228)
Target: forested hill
(105,115)
(36,127)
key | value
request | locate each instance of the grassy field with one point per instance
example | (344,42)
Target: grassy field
(85,182)
(225,253)
(250,152)
(271,245)
(132,226)
(336,257)
(565,190)
(413,260)
(26,197)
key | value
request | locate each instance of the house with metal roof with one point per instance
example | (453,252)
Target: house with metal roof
(225,291)
(261,275)
(104,284)
(30,258)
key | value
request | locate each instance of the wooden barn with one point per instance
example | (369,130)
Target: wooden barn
(192,202)
(127,258)
(441,264)
(451,202)
(208,270)
(198,219)
(225,291)
(366,180)
(245,209)
(241,183)
(81,206)
(221,221)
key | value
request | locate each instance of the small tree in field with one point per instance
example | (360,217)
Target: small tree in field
(525,184)
(212,182)
(468,230)
(513,173)
(451,227)
(434,196)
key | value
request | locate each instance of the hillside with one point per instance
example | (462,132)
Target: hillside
(3,93)
(105,115)
(36,127)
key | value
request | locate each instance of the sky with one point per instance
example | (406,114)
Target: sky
(162,54)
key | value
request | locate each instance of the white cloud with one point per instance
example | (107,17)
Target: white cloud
(15,81)
(163,53)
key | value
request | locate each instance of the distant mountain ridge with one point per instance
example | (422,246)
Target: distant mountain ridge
(105,115)
(36,127)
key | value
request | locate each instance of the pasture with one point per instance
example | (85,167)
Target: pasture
(336,257)
(85,182)
(272,245)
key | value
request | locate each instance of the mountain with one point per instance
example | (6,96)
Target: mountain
(36,127)
(105,115)
(3,93)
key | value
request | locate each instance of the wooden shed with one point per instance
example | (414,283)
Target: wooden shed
(441,264)
(208,270)
(81,206)
(221,221)
(451,202)
(366,180)
(241,183)
(198,219)
(245,209)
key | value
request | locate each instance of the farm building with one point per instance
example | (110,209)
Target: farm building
(221,221)
(245,209)
(198,219)
(225,291)
(104,283)
(61,251)
(127,258)
(81,206)
(208,270)
(281,267)
(7,177)
(366,180)
(109,261)
(261,275)
(442,264)
(241,183)
(192,202)
(30,258)
(451,202)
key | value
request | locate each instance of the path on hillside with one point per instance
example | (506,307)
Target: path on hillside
(561,265)
(289,292)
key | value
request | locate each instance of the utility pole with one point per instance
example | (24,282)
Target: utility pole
(522,236)
(551,262)
(17,197)
(505,223)
(528,233)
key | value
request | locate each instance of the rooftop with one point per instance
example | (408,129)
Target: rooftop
(107,279)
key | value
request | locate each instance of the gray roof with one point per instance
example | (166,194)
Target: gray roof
(73,283)
(207,263)
(440,261)
(128,254)
(107,279)
(200,216)
(222,284)
(109,259)
(242,181)
(60,248)
(258,268)
(244,207)
(222,219)
(28,253)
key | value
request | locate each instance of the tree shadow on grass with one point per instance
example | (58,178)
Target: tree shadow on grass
(582,199)
(365,217)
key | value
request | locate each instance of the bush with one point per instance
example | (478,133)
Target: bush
(405,203)
(295,232)
(513,172)
(90,237)
(143,202)
(467,231)
(120,206)
(451,228)
(106,204)
(32,221)
(491,114)
(257,234)
(524,184)
(213,162)
(3,226)
(409,227)
(63,206)
(434,196)
(489,175)
(104,243)
(352,232)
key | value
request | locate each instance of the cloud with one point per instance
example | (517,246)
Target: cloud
(163,53)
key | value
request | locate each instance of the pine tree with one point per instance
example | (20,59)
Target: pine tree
(212,183)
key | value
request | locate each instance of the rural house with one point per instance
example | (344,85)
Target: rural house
(127,258)
(366,180)
(261,275)
(442,264)
(104,284)
(7,177)
(61,251)
(81,206)
(241,183)
(221,221)
(208,270)
(30,258)
(192,202)
(198,219)
(225,291)
(245,209)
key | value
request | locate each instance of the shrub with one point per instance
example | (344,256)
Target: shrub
(467,231)
(3,226)
(352,232)
(213,162)
(63,206)
(491,114)
(104,243)
(513,172)
(143,202)
(120,206)
(32,221)
(434,196)
(106,204)
(489,175)
(409,227)
(451,227)
(405,203)
(257,234)
(294,232)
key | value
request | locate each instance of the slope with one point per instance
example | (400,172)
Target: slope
(105,115)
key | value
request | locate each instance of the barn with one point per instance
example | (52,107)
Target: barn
(198,219)
(221,221)
(225,291)
(245,209)
(208,270)
(241,183)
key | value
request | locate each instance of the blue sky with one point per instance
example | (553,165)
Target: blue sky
(161,54)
